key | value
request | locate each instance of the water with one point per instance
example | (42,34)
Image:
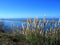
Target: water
(7,24)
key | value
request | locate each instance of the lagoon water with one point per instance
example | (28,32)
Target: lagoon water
(7,24)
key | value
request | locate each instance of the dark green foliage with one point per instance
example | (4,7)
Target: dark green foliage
(33,38)
(21,37)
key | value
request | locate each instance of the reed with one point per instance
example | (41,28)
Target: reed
(35,36)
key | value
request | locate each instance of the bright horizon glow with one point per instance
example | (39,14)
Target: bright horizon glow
(29,8)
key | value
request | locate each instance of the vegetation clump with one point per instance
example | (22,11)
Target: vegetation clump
(32,38)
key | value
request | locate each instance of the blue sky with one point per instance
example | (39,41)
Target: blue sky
(29,8)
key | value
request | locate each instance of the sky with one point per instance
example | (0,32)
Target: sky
(29,8)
